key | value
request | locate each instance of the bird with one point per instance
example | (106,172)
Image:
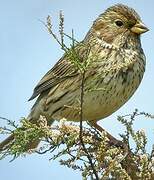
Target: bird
(116,68)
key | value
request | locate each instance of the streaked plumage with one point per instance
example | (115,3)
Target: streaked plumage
(113,75)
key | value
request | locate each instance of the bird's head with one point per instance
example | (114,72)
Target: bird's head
(118,23)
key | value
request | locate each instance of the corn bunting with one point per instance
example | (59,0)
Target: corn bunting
(115,72)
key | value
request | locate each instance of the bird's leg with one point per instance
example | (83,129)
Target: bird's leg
(112,140)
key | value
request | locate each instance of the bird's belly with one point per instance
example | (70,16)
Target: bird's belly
(100,102)
(109,97)
(104,100)
(101,105)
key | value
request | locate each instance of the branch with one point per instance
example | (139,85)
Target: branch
(81,130)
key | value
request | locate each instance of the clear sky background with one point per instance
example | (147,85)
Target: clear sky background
(27,52)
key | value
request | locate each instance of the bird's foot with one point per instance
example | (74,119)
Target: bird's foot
(112,140)
(117,143)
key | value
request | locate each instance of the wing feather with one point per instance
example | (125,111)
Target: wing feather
(62,70)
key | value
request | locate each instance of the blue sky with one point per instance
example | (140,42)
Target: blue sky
(27,52)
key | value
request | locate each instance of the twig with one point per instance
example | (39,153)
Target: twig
(45,151)
(136,113)
(5,119)
(71,38)
(80,135)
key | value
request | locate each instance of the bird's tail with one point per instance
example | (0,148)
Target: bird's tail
(4,144)
(9,141)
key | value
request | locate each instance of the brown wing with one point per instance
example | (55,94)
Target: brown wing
(63,69)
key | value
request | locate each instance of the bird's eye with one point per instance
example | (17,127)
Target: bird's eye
(119,23)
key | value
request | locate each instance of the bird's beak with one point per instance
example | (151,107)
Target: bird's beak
(139,28)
